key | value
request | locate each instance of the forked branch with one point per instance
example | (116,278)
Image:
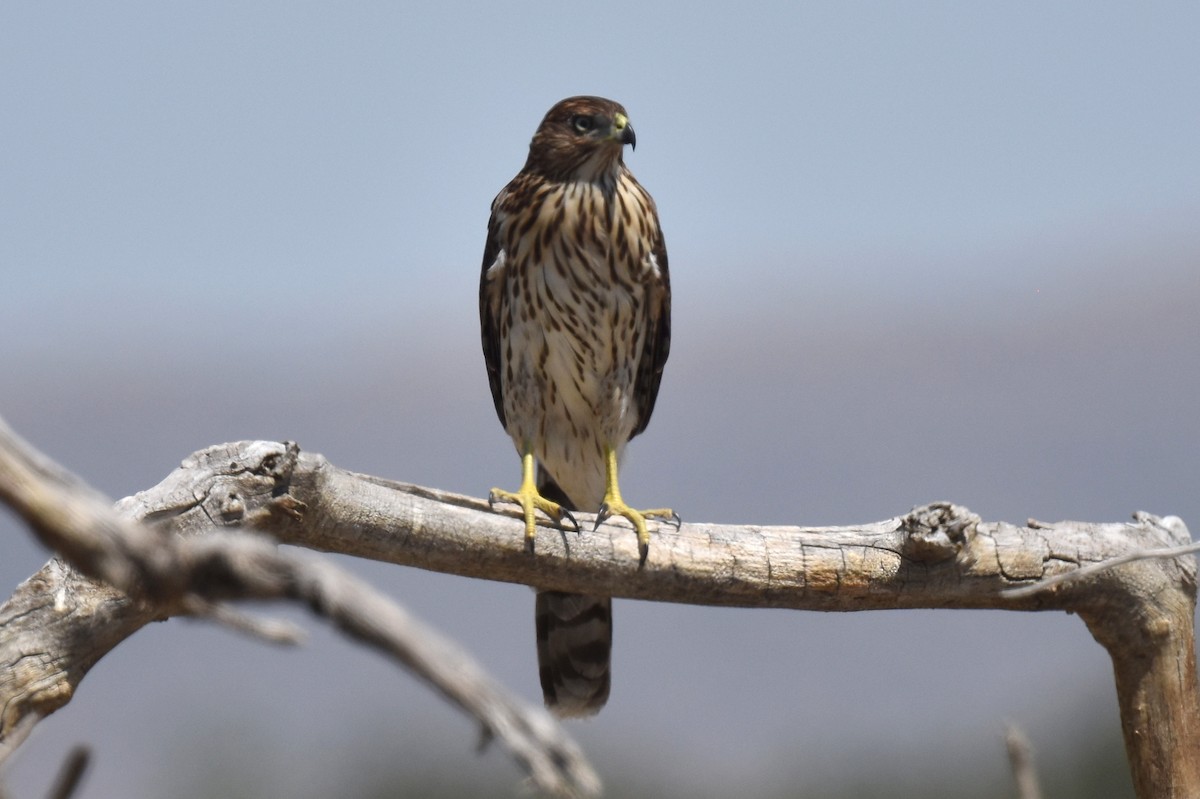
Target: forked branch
(161,574)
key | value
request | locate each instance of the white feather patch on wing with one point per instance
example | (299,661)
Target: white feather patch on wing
(654,266)
(496,265)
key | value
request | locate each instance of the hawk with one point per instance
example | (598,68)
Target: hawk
(575,310)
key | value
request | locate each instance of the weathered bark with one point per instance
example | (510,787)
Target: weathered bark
(937,556)
(164,575)
(1145,617)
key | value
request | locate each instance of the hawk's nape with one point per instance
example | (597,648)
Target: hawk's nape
(575,311)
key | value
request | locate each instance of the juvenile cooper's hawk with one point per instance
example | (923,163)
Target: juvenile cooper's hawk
(575,307)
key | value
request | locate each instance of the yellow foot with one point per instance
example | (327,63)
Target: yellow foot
(613,505)
(531,502)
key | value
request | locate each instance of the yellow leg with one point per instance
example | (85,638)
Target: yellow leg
(613,505)
(531,501)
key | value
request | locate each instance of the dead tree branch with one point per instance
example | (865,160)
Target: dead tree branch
(1020,758)
(72,773)
(160,575)
(937,556)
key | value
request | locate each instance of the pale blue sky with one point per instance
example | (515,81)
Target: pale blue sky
(919,251)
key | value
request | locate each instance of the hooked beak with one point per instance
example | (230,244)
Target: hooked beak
(622,131)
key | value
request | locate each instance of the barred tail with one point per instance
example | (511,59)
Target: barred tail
(574,640)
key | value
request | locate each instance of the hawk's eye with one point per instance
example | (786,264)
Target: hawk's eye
(582,124)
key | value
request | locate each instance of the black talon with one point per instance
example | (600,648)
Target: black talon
(675,520)
(567,515)
(601,516)
(643,551)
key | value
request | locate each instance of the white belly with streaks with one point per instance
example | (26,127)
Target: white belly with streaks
(571,392)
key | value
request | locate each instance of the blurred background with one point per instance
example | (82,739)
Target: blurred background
(919,252)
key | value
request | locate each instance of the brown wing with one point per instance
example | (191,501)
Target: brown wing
(491,289)
(658,334)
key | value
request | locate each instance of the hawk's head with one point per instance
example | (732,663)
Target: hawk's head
(580,138)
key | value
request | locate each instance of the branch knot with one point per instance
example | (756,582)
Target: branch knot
(937,532)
